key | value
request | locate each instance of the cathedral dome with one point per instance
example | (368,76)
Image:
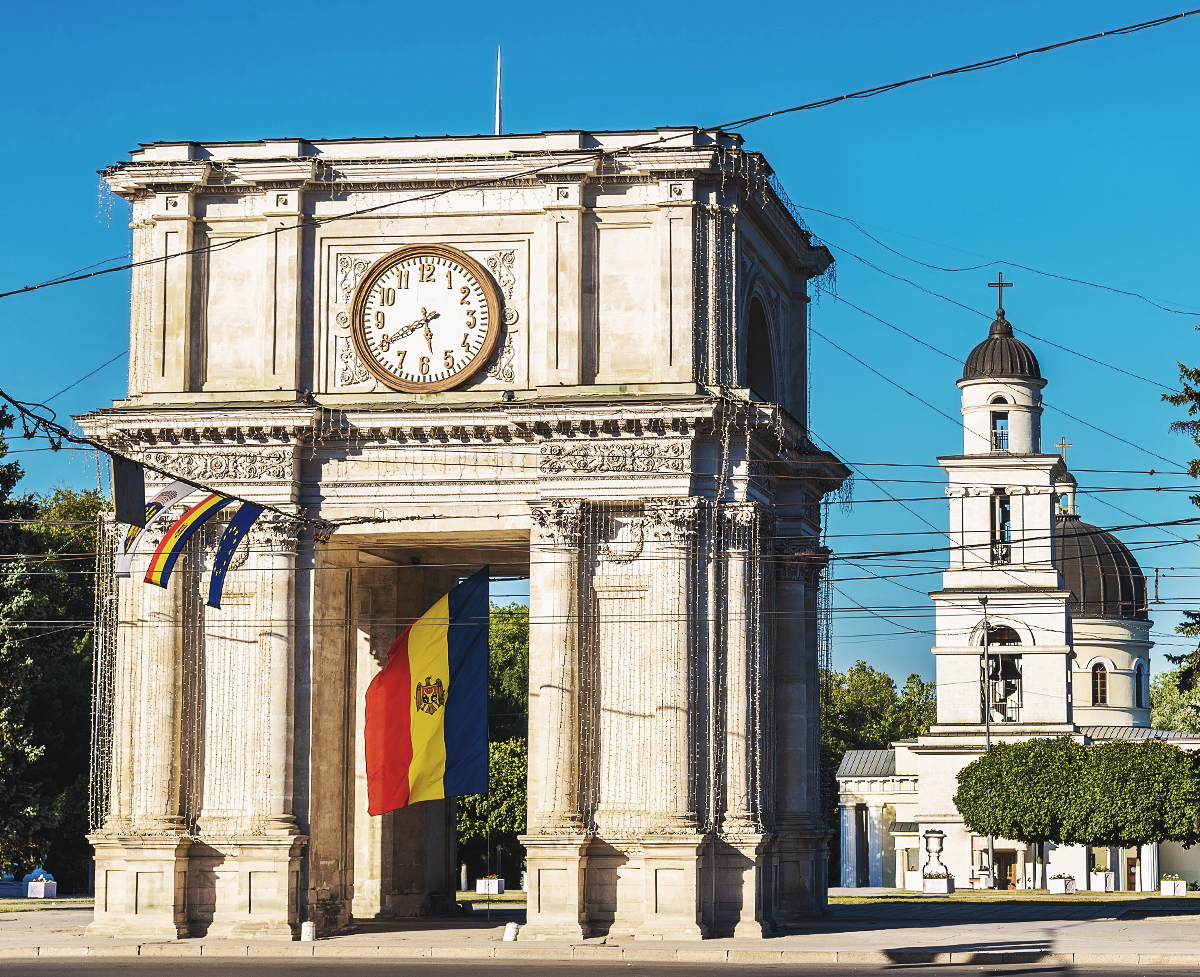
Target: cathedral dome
(1002,356)
(1103,577)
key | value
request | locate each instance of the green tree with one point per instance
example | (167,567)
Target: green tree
(1021,791)
(1127,794)
(508,672)
(862,711)
(62,721)
(1188,396)
(500,814)
(26,816)
(1171,708)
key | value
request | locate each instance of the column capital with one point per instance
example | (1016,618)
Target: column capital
(800,560)
(559,522)
(276,532)
(673,520)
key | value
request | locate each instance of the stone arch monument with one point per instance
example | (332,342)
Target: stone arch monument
(592,428)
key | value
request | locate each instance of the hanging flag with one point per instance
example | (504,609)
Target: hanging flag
(163,560)
(427,711)
(156,509)
(234,533)
(129,491)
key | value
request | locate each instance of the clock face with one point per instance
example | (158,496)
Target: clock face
(425,318)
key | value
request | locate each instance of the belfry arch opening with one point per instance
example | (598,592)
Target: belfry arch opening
(760,368)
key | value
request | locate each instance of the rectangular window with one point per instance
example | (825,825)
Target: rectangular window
(1003,688)
(1001,529)
(1099,686)
(999,430)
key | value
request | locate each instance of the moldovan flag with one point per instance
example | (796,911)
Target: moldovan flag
(427,711)
(163,560)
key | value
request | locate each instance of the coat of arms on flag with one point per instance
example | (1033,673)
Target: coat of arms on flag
(430,696)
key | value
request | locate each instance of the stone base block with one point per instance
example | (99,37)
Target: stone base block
(672,906)
(555,901)
(245,887)
(141,885)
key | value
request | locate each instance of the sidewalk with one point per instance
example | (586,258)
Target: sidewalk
(1129,930)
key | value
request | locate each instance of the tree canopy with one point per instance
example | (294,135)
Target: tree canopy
(1171,708)
(1188,396)
(1121,794)
(46,597)
(1021,791)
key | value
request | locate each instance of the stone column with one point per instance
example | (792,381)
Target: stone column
(875,844)
(141,855)
(1149,867)
(744,859)
(849,845)
(556,844)
(672,845)
(802,837)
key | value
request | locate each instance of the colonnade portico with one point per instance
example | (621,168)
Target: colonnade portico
(604,439)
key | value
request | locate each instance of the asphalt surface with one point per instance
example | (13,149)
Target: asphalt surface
(473,968)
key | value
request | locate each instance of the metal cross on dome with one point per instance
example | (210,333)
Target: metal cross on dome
(1001,285)
(1062,446)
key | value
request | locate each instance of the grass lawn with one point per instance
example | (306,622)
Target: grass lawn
(982,895)
(28,905)
(517,897)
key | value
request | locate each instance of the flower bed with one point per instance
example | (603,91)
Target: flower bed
(1172,885)
(1062,885)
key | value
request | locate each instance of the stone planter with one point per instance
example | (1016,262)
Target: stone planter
(489,887)
(937,887)
(42,890)
(1062,887)
(912,880)
(1171,887)
(982,881)
(1104,881)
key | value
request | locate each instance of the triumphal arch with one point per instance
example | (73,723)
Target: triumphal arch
(577,356)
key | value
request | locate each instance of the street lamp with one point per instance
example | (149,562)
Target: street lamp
(987,725)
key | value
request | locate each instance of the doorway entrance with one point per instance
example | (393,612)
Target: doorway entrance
(1131,873)
(1006,870)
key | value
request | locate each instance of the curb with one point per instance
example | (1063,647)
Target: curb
(595,953)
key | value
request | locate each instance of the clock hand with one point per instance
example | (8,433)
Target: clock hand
(413,327)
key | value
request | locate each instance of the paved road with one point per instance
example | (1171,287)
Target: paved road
(473,968)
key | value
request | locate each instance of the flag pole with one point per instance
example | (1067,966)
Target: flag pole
(499,103)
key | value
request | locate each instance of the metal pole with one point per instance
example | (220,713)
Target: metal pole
(987,725)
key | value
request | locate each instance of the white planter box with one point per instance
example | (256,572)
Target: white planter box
(1062,887)
(42,890)
(912,880)
(1104,881)
(489,887)
(937,887)
(983,881)
(1172,888)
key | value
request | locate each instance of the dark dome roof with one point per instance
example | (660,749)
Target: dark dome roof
(1103,577)
(1001,355)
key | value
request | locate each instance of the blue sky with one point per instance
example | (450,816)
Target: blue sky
(1079,163)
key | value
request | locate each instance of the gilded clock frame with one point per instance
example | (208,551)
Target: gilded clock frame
(491,295)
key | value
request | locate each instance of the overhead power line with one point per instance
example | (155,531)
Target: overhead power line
(307,221)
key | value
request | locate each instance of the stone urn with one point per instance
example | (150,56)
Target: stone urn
(934,842)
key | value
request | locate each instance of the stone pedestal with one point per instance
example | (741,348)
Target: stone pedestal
(801,880)
(672,903)
(141,886)
(744,900)
(246,887)
(555,879)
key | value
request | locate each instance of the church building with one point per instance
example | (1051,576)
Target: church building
(1063,605)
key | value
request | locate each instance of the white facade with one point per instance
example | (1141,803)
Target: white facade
(636,444)
(1054,669)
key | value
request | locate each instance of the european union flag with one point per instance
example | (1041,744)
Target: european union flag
(234,533)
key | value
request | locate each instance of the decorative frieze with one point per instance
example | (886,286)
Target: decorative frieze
(601,457)
(224,466)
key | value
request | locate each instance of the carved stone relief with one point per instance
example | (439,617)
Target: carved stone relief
(351,268)
(559,523)
(613,457)
(350,368)
(204,466)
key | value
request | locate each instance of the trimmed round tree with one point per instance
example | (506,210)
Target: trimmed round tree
(1021,791)
(1128,794)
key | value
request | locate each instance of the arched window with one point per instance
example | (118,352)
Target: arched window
(760,371)
(1099,685)
(1003,635)
(1139,684)
(998,400)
